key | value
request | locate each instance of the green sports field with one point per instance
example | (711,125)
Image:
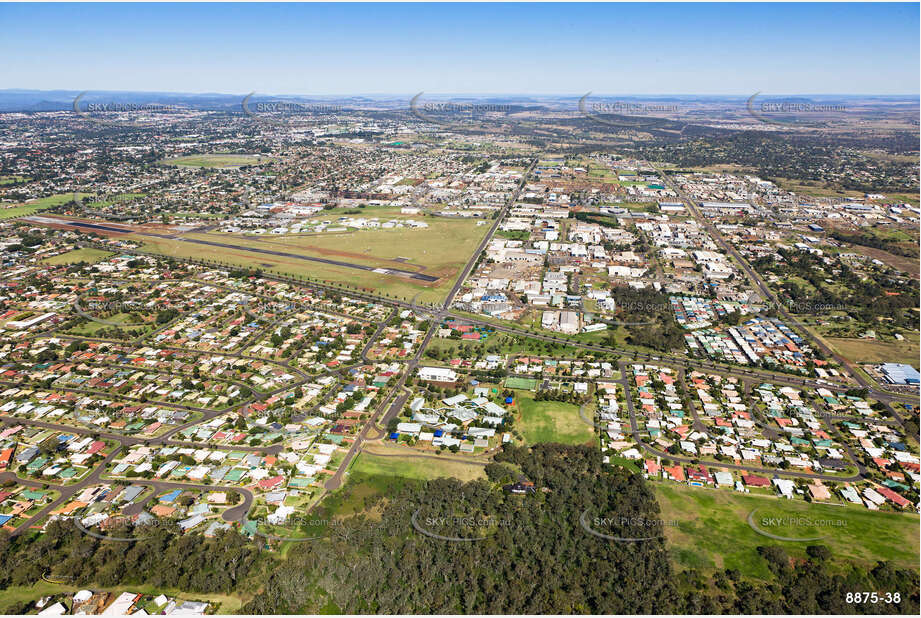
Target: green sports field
(90,256)
(551,421)
(33,206)
(526,384)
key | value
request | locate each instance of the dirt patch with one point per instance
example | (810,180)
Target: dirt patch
(905,264)
(103,227)
(513,271)
(444,271)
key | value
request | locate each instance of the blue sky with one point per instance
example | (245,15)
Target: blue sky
(463,48)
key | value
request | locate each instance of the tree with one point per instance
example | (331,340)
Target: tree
(818,552)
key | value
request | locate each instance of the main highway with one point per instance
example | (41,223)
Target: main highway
(762,286)
(397,396)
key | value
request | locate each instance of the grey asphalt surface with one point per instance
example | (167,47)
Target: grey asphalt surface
(211,243)
(392,405)
(756,279)
(770,472)
(397,397)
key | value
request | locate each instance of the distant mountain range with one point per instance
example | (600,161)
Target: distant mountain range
(23,100)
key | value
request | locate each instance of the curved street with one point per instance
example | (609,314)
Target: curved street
(374,429)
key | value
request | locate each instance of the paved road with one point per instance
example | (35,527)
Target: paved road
(391,406)
(99,393)
(132,440)
(377,333)
(235,513)
(771,472)
(488,237)
(335,481)
(385,271)
(756,374)
(881,395)
(756,279)
(66,491)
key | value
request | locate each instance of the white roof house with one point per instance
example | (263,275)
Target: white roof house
(785,487)
(437,374)
(409,428)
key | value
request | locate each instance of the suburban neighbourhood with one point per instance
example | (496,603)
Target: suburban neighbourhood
(294,354)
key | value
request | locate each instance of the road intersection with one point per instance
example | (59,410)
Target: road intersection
(375,428)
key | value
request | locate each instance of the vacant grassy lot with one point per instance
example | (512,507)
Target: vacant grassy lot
(551,421)
(436,250)
(362,211)
(870,351)
(371,478)
(602,173)
(819,188)
(216,160)
(33,206)
(90,256)
(900,262)
(419,468)
(712,530)
(360,492)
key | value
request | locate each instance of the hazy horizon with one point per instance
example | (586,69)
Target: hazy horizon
(465,94)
